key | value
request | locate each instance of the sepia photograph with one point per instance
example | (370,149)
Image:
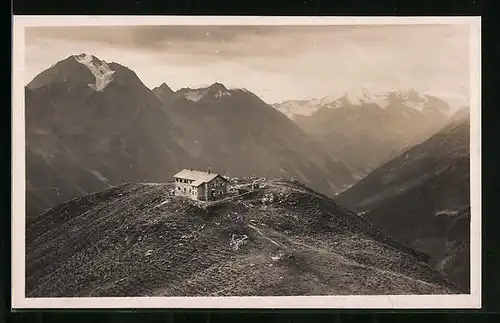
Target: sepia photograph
(239,162)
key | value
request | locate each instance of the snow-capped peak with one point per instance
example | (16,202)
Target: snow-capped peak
(100,69)
(297,107)
(218,86)
(354,98)
(217,90)
(419,102)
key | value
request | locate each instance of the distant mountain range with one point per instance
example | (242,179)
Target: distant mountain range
(422,198)
(411,98)
(91,124)
(365,129)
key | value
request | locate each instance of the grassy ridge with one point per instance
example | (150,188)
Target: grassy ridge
(140,240)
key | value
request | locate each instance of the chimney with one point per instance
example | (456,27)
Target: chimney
(209,170)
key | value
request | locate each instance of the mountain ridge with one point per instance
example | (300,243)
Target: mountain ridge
(89,136)
(422,197)
(283,239)
(366,134)
(411,98)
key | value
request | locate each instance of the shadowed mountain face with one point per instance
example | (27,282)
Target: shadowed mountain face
(423,198)
(243,136)
(79,139)
(368,130)
(283,239)
(92,124)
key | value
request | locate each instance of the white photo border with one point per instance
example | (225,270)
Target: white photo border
(19,301)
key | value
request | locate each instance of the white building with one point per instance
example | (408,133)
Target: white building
(204,186)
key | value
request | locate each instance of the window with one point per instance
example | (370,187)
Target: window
(178,188)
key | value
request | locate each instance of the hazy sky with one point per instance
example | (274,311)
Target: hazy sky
(276,62)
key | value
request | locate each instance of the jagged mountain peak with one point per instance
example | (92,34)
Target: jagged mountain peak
(165,93)
(77,70)
(100,69)
(218,86)
(381,98)
(420,102)
(215,85)
(86,56)
(214,91)
(163,88)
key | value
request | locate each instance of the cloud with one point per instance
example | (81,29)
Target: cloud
(242,40)
(277,62)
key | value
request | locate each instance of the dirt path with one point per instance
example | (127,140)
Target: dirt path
(259,231)
(341,257)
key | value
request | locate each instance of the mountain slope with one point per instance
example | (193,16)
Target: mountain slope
(419,196)
(364,130)
(284,239)
(83,133)
(240,135)
(91,124)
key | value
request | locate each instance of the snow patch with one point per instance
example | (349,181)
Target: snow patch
(355,98)
(298,107)
(194,95)
(419,106)
(98,175)
(102,72)
(221,93)
(411,98)
(447,213)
